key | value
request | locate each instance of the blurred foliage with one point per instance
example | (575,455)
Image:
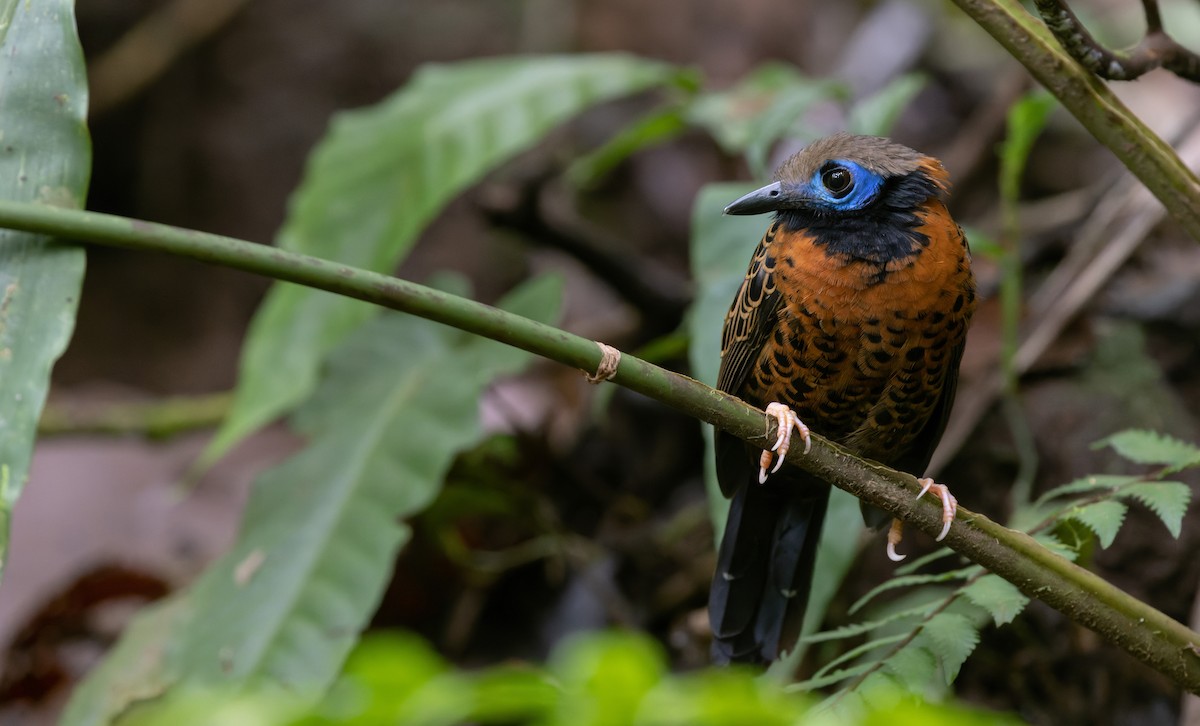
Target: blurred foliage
(278,615)
(320,532)
(322,529)
(381,174)
(593,680)
(1025,121)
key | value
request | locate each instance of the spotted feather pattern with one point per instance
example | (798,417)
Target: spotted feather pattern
(855,319)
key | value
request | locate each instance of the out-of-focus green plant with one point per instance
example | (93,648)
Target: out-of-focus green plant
(600,679)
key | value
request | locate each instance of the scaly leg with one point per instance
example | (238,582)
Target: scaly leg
(788,420)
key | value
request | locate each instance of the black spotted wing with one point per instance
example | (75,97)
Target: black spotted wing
(748,327)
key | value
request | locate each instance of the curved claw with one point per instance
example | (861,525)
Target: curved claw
(949,503)
(787,420)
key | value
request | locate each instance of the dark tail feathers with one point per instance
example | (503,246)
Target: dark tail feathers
(764,569)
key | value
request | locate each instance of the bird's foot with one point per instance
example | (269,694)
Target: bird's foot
(949,503)
(788,420)
(949,509)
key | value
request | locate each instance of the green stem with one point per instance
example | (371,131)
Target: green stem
(1149,158)
(1148,634)
(155,419)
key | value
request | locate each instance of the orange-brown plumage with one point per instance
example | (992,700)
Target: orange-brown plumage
(853,314)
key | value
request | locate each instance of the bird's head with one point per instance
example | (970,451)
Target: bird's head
(847,174)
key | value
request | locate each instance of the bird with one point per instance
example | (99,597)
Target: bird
(850,323)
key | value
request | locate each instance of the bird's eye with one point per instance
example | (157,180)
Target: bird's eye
(838,180)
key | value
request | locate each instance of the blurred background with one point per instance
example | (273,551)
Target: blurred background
(587,507)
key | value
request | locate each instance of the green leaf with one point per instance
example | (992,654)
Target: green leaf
(381,175)
(828,679)
(45,157)
(661,124)
(913,666)
(997,596)
(1026,119)
(512,694)
(1168,499)
(911,566)
(605,676)
(876,114)
(1150,447)
(954,637)
(1103,518)
(321,530)
(866,626)
(763,107)
(730,115)
(1052,542)
(781,119)
(859,650)
(716,697)
(910,580)
(1092,483)
(391,667)
(133,671)
(983,244)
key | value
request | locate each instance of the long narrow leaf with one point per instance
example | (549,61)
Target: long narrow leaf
(866,626)
(45,156)
(321,530)
(908,580)
(860,649)
(381,175)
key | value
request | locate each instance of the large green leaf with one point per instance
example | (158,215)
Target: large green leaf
(381,175)
(44,156)
(321,530)
(765,106)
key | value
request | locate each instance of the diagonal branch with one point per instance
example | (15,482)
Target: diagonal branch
(1143,631)
(1150,159)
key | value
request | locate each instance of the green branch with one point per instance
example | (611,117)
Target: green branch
(1148,634)
(1150,158)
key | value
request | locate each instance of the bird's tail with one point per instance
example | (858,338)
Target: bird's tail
(764,569)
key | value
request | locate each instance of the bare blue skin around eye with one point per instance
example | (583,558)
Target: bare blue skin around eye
(867,185)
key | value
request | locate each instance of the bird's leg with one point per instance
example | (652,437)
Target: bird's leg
(949,509)
(788,420)
(895,534)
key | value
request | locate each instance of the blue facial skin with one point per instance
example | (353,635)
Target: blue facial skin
(863,191)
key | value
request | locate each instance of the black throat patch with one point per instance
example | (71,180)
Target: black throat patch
(883,232)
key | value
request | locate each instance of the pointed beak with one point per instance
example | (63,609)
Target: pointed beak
(766,199)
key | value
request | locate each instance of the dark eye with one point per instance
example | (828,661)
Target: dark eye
(838,180)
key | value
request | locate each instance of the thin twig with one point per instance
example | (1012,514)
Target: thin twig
(144,53)
(1155,50)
